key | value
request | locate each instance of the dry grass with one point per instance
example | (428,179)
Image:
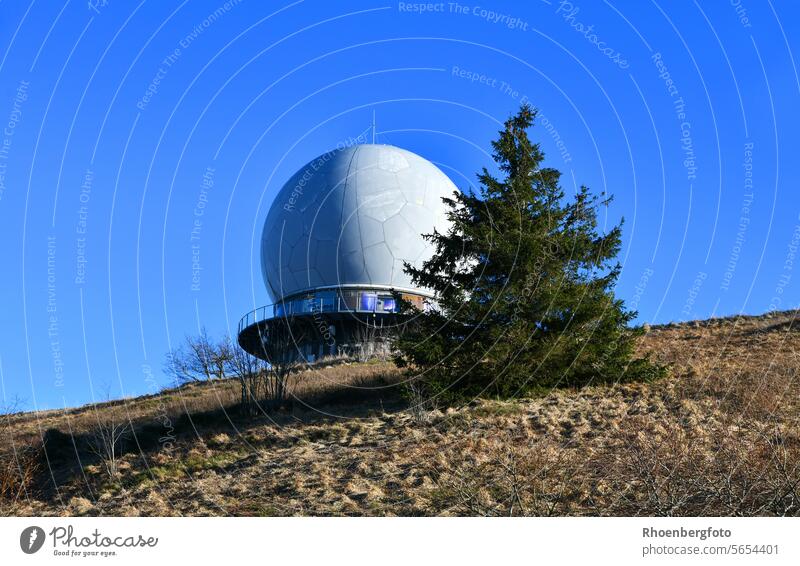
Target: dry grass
(718,437)
(18,471)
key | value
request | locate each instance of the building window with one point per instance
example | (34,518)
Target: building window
(386,303)
(415,300)
(330,301)
(368,302)
(349,300)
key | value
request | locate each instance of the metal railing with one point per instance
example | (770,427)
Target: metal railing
(256,315)
(374,303)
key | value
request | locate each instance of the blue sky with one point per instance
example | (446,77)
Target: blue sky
(143,144)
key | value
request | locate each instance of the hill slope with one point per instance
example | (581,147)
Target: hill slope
(718,437)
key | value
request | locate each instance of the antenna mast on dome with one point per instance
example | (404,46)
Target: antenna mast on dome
(373,127)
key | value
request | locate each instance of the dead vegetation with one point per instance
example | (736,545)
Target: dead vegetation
(720,436)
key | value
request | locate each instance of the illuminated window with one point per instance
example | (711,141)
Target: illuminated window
(367,302)
(386,304)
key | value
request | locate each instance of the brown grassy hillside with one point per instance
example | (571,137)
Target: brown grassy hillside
(720,436)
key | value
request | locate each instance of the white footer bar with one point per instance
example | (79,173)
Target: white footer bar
(399,541)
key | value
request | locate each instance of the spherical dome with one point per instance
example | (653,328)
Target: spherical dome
(351,217)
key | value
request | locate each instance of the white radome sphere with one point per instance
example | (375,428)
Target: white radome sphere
(352,217)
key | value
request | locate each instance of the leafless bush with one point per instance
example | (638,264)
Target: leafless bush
(656,469)
(371,342)
(650,468)
(19,467)
(19,464)
(279,342)
(278,383)
(784,478)
(199,358)
(251,372)
(737,468)
(106,438)
(756,471)
(420,403)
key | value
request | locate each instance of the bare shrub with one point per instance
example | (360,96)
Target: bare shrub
(251,372)
(199,358)
(371,342)
(19,467)
(278,384)
(420,404)
(734,468)
(364,337)
(19,464)
(655,469)
(784,478)
(755,471)
(106,438)
(279,341)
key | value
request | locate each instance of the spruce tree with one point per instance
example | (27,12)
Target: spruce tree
(523,284)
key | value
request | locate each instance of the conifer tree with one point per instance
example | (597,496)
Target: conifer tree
(523,284)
